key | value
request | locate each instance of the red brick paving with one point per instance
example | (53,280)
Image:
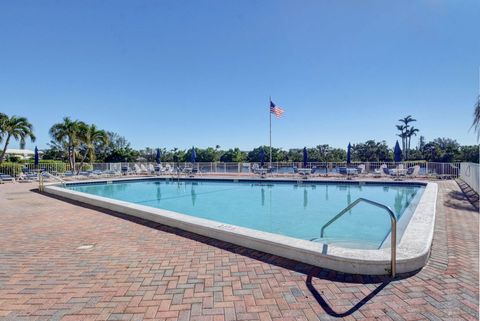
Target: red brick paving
(140,270)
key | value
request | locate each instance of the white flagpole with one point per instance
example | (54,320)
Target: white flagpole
(270,112)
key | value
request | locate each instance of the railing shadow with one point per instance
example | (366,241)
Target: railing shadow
(466,193)
(328,309)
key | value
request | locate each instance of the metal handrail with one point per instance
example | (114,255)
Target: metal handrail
(41,184)
(393,219)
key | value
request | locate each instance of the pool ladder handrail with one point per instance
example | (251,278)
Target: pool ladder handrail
(393,219)
(41,183)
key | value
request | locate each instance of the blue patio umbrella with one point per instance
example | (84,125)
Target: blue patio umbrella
(193,155)
(349,153)
(36,159)
(397,153)
(262,156)
(305,157)
(159,156)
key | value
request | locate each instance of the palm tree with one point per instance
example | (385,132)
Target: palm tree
(90,137)
(411,132)
(402,135)
(3,119)
(17,127)
(404,132)
(476,118)
(66,134)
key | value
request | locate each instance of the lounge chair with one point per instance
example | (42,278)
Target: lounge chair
(27,177)
(137,169)
(304,172)
(7,178)
(144,169)
(413,171)
(361,169)
(347,171)
(381,171)
(151,169)
(125,170)
(168,169)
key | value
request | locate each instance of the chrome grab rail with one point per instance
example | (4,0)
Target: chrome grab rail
(393,219)
(41,184)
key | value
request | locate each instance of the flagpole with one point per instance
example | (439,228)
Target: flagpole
(270,112)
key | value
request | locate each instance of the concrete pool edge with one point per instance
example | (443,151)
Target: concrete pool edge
(412,252)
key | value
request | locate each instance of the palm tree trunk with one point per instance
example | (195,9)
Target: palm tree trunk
(4,151)
(73,158)
(408,147)
(81,163)
(70,158)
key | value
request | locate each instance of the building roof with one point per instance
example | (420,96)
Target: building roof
(20,151)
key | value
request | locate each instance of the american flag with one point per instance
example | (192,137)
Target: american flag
(274,109)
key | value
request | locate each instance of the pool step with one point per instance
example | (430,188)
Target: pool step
(355,244)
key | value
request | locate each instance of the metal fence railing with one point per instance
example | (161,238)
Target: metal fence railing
(470,174)
(427,169)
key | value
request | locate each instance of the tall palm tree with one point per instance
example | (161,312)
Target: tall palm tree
(90,137)
(66,133)
(404,132)
(3,119)
(412,131)
(476,118)
(17,127)
(402,135)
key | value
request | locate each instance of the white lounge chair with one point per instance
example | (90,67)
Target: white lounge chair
(413,171)
(381,171)
(151,169)
(144,169)
(361,169)
(137,169)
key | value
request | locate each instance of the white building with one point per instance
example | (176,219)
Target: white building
(22,153)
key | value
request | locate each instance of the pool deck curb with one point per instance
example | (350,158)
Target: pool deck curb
(412,252)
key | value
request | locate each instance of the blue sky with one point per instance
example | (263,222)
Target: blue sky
(182,73)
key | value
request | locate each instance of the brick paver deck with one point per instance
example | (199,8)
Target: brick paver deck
(144,271)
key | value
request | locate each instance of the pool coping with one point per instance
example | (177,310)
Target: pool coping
(412,252)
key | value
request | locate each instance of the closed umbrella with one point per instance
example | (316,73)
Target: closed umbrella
(159,156)
(397,153)
(193,155)
(262,156)
(36,159)
(305,157)
(349,153)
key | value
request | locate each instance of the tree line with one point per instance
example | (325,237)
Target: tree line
(77,142)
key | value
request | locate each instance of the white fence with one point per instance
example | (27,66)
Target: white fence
(470,174)
(427,169)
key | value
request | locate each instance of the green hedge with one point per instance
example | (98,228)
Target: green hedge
(15,169)
(11,168)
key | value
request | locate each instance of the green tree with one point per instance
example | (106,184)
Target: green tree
(406,133)
(66,134)
(371,151)
(18,128)
(3,119)
(90,138)
(277,154)
(441,150)
(412,131)
(208,154)
(476,117)
(234,155)
(469,154)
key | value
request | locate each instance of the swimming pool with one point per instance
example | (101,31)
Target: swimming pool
(283,217)
(292,209)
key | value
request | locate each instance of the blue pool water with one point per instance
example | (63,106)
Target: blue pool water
(291,209)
